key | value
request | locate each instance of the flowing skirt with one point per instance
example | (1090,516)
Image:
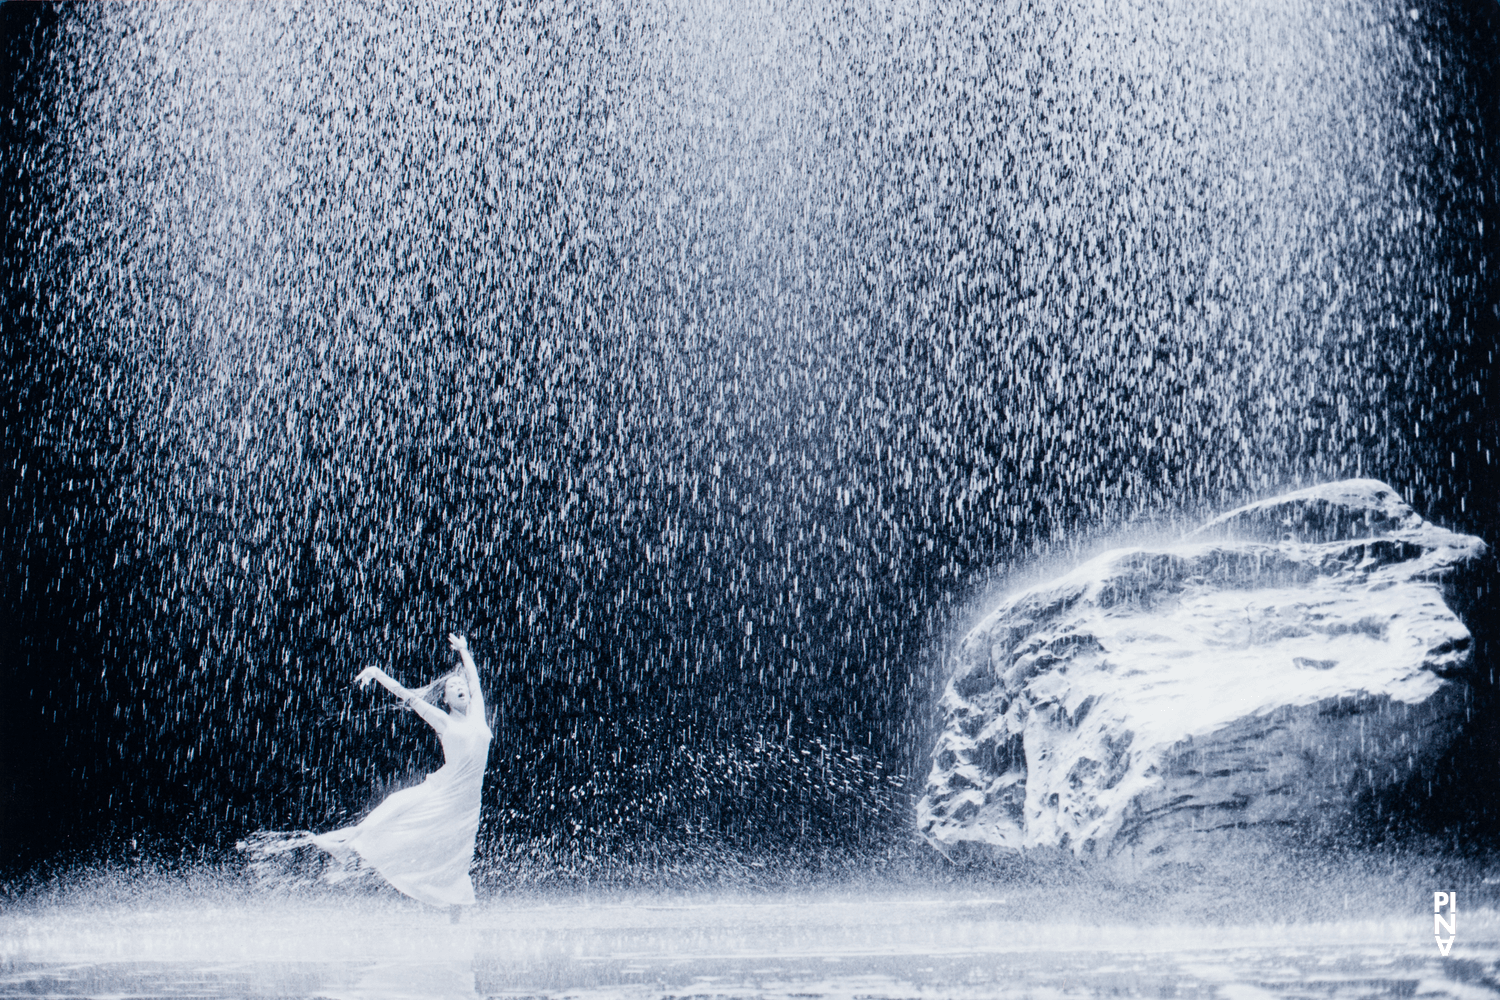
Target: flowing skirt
(420,839)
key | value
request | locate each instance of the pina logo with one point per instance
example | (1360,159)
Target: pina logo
(1441,926)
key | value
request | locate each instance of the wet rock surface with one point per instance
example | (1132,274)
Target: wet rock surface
(1260,677)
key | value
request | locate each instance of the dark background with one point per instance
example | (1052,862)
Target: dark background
(705,375)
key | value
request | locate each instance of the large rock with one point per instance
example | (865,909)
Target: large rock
(1266,673)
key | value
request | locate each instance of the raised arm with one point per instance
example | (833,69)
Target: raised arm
(476,694)
(435,717)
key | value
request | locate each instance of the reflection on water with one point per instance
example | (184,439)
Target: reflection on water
(875,946)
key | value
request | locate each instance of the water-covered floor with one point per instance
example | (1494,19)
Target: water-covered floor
(826,944)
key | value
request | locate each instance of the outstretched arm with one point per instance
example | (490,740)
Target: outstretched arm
(476,695)
(435,717)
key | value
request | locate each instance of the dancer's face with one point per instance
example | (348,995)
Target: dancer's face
(457,694)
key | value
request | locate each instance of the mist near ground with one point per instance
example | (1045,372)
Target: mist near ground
(1287,927)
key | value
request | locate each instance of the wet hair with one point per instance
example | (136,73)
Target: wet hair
(438,688)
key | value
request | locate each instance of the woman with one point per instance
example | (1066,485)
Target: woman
(421,839)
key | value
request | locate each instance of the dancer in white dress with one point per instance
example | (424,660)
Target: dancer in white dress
(421,839)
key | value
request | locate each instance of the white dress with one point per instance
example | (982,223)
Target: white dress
(421,839)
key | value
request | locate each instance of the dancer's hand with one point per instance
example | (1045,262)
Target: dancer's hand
(365,676)
(458,643)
